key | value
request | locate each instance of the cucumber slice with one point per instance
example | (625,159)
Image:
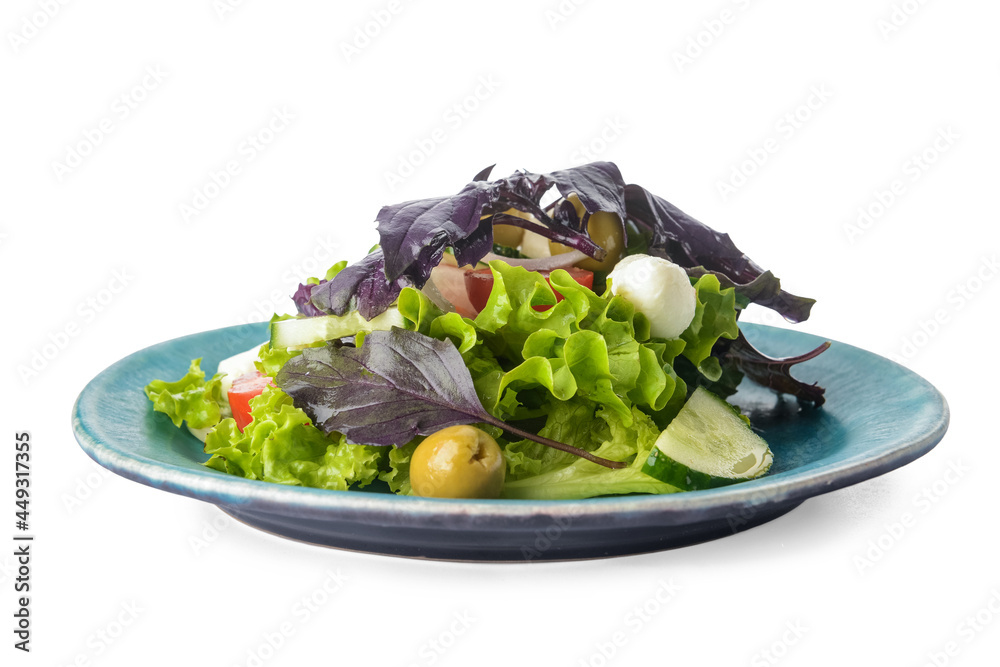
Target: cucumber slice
(707,445)
(310,330)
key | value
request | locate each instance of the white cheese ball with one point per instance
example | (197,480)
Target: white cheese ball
(234,367)
(659,289)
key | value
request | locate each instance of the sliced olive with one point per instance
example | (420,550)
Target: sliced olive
(509,235)
(605,229)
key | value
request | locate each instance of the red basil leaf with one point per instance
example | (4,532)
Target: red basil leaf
(775,373)
(303,299)
(361,285)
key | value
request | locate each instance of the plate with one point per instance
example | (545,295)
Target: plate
(878,416)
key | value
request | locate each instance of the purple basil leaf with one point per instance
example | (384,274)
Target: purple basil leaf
(692,244)
(599,185)
(775,373)
(556,231)
(302,299)
(361,285)
(484,174)
(397,385)
(417,232)
(414,235)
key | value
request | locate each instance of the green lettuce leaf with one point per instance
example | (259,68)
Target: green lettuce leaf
(487,376)
(571,422)
(417,310)
(272,359)
(583,479)
(714,318)
(421,315)
(510,312)
(281,445)
(191,399)
(587,346)
(398,474)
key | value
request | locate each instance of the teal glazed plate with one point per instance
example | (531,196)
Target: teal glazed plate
(878,416)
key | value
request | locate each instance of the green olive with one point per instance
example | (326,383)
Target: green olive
(605,229)
(458,462)
(509,235)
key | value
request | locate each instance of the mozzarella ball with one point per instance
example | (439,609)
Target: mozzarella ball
(659,289)
(237,365)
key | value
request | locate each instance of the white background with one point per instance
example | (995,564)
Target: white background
(604,77)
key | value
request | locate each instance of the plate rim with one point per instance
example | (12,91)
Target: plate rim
(228,490)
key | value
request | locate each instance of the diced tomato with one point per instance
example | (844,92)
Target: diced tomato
(479,284)
(244,388)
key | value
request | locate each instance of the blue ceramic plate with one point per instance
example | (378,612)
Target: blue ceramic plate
(878,416)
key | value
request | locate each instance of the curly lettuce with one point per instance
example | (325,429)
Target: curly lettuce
(576,367)
(584,346)
(572,422)
(618,441)
(714,318)
(191,399)
(281,445)
(398,474)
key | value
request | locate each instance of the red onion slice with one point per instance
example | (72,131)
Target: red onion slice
(431,291)
(563,261)
(450,284)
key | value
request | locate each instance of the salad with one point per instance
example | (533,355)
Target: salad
(541,336)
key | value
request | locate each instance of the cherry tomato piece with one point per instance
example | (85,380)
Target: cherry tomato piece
(244,388)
